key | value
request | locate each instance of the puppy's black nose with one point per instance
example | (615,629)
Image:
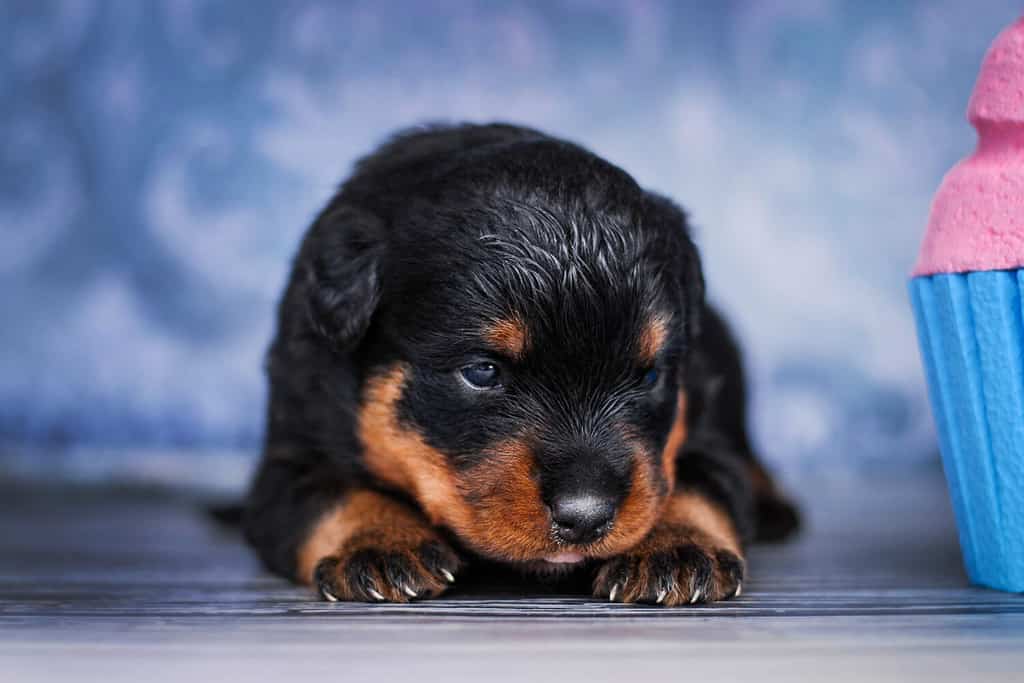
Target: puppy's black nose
(582,518)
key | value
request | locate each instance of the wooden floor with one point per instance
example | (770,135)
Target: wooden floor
(134,585)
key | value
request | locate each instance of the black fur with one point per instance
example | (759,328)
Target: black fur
(445,229)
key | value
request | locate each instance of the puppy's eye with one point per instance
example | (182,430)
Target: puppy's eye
(482,375)
(651,378)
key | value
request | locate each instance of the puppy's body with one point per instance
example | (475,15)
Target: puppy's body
(495,344)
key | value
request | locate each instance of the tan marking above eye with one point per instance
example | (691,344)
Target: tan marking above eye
(509,336)
(653,337)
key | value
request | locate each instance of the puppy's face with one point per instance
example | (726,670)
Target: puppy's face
(525,387)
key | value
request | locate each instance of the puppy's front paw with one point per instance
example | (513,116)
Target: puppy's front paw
(672,566)
(372,569)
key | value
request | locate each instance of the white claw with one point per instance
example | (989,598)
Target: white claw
(739,589)
(328,595)
(614,592)
(376,596)
(695,597)
(661,597)
(448,576)
(408,591)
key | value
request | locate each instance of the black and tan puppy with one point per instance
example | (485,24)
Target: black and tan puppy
(495,344)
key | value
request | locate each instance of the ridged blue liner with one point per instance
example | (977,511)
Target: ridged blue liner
(971,331)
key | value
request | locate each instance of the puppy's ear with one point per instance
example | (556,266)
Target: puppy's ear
(686,275)
(343,274)
(693,288)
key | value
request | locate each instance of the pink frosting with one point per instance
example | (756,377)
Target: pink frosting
(977,216)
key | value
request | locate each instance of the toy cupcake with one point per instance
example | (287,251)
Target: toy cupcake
(968,298)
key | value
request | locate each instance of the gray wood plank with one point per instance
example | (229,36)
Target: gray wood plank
(113,584)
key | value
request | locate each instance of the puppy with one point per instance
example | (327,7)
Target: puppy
(495,344)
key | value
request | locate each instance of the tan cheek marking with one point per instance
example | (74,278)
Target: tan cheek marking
(509,518)
(675,441)
(509,336)
(696,511)
(652,338)
(638,512)
(494,507)
(399,456)
(642,508)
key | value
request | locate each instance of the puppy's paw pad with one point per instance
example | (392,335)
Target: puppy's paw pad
(685,574)
(377,573)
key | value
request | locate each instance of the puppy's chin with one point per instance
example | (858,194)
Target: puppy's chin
(553,567)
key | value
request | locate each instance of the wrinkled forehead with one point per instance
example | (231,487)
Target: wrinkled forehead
(552,274)
(517,307)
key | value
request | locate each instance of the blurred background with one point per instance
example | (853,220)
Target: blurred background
(159,162)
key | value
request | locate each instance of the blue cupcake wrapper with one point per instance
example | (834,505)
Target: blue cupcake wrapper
(971,330)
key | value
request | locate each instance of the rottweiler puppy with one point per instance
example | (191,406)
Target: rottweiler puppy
(495,344)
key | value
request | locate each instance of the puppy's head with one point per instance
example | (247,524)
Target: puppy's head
(522,337)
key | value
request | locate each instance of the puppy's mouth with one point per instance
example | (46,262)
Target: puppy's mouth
(566,558)
(553,566)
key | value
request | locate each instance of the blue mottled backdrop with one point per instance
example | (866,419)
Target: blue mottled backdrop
(160,160)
